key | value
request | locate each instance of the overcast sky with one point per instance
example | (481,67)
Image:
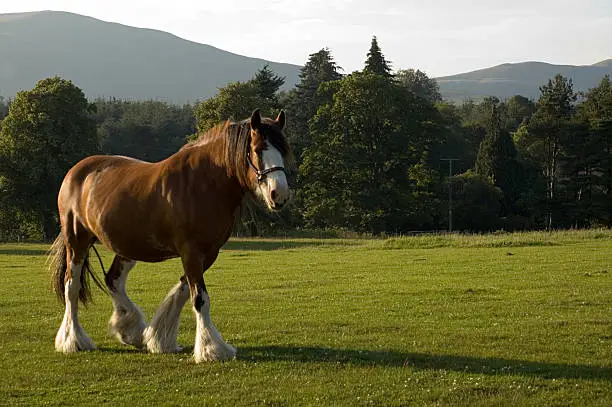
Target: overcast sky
(441,37)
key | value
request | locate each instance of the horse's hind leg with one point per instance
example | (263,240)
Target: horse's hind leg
(127,322)
(160,336)
(71,336)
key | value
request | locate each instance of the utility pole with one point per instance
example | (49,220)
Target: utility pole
(450,191)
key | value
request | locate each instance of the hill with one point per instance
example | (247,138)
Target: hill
(524,78)
(113,60)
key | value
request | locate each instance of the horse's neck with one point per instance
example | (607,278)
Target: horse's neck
(210,167)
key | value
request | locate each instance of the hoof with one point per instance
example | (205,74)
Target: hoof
(214,352)
(128,327)
(155,343)
(69,341)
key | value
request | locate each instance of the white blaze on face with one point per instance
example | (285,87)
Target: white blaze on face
(274,187)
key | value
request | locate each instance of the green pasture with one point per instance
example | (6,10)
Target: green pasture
(504,319)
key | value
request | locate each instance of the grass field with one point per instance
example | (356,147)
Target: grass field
(507,319)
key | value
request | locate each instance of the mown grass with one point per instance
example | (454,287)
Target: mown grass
(507,319)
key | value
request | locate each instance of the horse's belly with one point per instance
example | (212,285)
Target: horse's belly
(135,238)
(137,247)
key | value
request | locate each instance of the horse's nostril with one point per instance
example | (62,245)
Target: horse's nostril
(273,194)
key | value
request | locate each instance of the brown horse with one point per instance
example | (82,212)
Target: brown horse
(183,206)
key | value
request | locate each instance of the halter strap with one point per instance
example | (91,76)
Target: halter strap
(261,174)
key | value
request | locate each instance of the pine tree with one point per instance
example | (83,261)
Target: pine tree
(303,103)
(496,157)
(376,62)
(546,130)
(267,84)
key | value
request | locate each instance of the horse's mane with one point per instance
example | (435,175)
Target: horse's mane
(237,138)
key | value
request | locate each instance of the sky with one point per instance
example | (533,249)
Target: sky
(440,37)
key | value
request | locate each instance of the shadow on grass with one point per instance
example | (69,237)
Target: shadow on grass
(120,350)
(23,251)
(268,245)
(422,361)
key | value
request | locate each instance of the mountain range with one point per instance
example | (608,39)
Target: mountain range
(114,60)
(507,80)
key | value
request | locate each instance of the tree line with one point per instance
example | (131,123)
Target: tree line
(373,150)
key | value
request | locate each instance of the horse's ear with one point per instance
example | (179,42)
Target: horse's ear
(255,119)
(280,120)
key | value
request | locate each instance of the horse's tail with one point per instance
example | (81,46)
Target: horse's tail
(56,261)
(58,267)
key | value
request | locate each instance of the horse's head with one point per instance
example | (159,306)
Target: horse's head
(267,157)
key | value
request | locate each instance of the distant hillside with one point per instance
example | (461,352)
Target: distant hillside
(109,59)
(113,60)
(525,79)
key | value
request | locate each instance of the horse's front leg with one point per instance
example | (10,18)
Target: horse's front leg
(160,336)
(209,345)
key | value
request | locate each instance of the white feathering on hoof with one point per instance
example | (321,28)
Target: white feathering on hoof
(128,325)
(209,345)
(160,336)
(71,336)
(127,322)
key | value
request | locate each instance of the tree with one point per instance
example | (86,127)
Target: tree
(547,128)
(420,84)
(148,130)
(376,62)
(267,84)
(3,109)
(476,203)
(496,159)
(303,103)
(237,100)
(48,130)
(590,155)
(364,169)
(519,110)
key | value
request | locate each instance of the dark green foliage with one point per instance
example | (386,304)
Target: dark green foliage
(518,110)
(267,84)
(455,142)
(4,108)
(496,159)
(318,83)
(365,168)
(376,62)
(148,130)
(302,103)
(420,84)
(476,203)
(48,130)
(590,157)
(548,127)
(237,100)
(369,146)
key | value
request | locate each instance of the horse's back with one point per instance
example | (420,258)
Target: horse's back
(112,198)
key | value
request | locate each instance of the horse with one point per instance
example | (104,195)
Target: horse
(184,206)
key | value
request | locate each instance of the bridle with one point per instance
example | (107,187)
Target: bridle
(261,174)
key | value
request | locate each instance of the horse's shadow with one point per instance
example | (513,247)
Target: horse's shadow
(280,244)
(419,361)
(424,361)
